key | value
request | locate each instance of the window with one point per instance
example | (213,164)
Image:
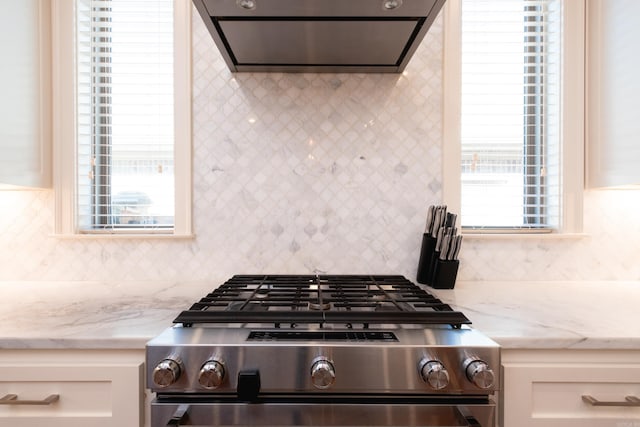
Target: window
(520,113)
(130,139)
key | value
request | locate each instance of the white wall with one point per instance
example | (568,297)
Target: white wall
(303,173)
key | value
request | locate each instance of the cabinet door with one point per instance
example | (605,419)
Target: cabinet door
(550,394)
(613,152)
(97,394)
(25,64)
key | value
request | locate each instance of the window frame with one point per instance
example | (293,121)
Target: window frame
(572,120)
(64,126)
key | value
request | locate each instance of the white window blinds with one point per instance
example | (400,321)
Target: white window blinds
(510,136)
(125,115)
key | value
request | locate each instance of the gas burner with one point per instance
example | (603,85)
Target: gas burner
(319,306)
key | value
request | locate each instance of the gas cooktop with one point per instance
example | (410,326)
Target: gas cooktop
(351,300)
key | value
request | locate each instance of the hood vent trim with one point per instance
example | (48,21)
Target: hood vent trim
(337,36)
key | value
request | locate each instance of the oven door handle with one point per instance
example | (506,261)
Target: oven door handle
(178,416)
(228,414)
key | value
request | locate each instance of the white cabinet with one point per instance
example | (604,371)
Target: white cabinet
(613,89)
(86,388)
(25,84)
(545,388)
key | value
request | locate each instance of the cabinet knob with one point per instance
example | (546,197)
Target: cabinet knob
(12,399)
(632,401)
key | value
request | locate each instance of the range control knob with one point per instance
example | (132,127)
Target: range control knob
(166,373)
(434,373)
(480,374)
(211,374)
(323,374)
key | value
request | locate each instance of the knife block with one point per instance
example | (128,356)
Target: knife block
(427,251)
(445,273)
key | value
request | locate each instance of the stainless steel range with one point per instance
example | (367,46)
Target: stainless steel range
(275,350)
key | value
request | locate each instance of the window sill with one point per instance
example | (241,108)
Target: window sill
(478,235)
(123,236)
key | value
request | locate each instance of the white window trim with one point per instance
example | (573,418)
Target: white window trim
(64,124)
(572,120)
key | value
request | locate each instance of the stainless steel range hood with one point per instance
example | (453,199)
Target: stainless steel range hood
(371,36)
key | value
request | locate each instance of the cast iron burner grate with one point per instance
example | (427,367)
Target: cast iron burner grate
(322,299)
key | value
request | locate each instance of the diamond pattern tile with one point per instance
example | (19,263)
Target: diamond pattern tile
(311,173)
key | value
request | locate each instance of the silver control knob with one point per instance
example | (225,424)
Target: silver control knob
(323,374)
(166,373)
(479,373)
(211,374)
(434,373)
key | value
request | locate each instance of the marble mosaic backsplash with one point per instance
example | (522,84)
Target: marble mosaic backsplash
(313,173)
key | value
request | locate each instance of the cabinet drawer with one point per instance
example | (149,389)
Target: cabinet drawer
(89,395)
(558,400)
(551,394)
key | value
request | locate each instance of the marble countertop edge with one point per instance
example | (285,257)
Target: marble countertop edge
(77,343)
(517,315)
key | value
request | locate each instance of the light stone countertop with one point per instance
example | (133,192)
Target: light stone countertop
(531,315)
(552,315)
(91,315)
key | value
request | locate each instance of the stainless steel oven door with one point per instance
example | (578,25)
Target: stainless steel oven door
(321,414)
